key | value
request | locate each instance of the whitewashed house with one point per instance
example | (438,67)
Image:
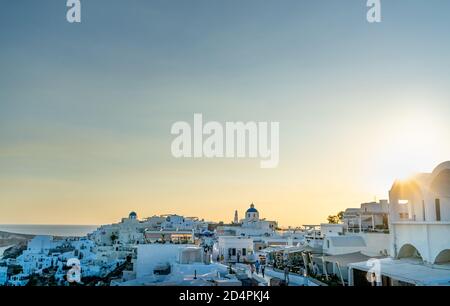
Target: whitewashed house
(420,216)
(3,276)
(252,226)
(36,257)
(419,224)
(181,223)
(370,216)
(234,249)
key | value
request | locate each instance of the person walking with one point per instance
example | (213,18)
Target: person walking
(252,269)
(263,269)
(286,275)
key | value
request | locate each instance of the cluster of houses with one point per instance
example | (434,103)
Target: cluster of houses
(397,242)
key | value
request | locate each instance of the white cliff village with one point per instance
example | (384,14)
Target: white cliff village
(403,241)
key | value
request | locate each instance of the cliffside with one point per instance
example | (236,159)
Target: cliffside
(7,239)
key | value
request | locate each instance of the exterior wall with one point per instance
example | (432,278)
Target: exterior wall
(3,275)
(40,244)
(376,244)
(332,229)
(150,255)
(429,238)
(182,236)
(354,216)
(422,228)
(333,250)
(351,217)
(225,244)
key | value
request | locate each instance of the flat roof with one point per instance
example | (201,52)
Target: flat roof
(347,259)
(410,271)
(347,241)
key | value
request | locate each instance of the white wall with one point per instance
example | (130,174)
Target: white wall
(3,275)
(376,243)
(150,255)
(428,238)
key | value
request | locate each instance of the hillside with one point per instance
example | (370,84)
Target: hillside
(7,239)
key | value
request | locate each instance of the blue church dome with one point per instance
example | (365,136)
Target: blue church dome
(252,209)
(132,215)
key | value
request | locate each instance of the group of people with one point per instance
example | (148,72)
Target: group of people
(258,267)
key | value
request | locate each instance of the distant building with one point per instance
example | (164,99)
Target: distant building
(251,225)
(129,231)
(180,223)
(370,216)
(234,249)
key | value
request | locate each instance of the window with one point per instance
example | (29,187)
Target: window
(328,244)
(423,210)
(244,252)
(233,252)
(438,209)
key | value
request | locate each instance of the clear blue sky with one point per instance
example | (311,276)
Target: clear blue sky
(86,109)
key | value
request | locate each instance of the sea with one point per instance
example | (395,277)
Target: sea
(52,230)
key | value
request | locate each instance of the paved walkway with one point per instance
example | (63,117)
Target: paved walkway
(294,279)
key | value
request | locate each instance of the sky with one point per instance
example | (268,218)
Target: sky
(86,109)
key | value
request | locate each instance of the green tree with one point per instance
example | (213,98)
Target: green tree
(335,219)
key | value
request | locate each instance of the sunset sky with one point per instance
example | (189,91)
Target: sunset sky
(86,109)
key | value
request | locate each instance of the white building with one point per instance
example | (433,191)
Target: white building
(420,216)
(180,223)
(419,226)
(129,231)
(172,264)
(36,257)
(41,244)
(251,225)
(234,249)
(370,216)
(3,276)
(150,256)
(327,229)
(19,280)
(338,241)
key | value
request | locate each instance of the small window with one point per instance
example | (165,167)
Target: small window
(423,210)
(438,209)
(328,244)
(244,252)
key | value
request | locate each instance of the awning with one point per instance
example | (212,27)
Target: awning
(345,259)
(411,272)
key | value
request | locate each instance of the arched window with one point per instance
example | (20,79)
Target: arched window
(409,251)
(443,257)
